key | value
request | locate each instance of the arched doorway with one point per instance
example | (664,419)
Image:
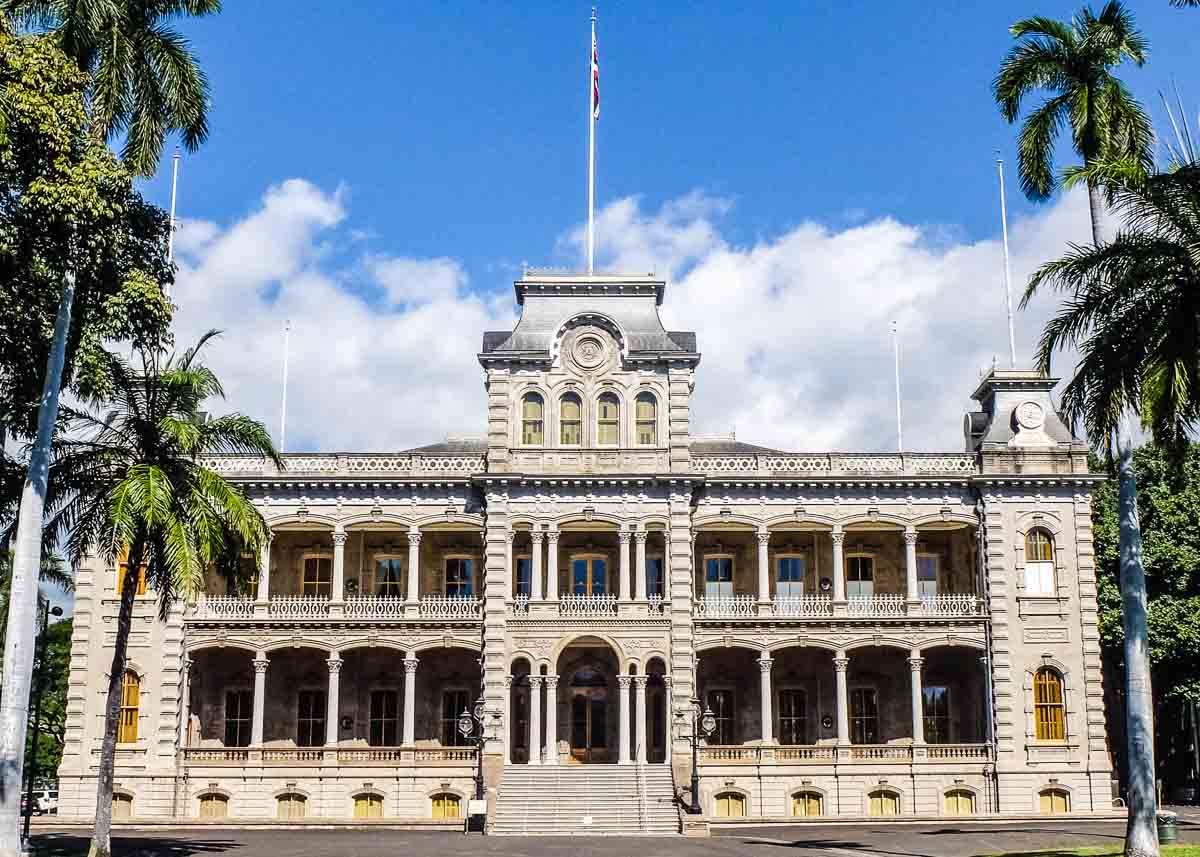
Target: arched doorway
(589,702)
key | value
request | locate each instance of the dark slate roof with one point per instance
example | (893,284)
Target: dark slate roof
(685,339)
(722,446)
(493,339)
(458,446)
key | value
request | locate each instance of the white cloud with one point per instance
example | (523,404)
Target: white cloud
(794,330)
(362,376)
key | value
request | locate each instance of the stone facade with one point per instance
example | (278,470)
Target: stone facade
(871,633)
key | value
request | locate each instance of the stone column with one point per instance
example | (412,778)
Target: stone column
(409,736)
(552,565)
(639,712)
(550,753)
(264,571)
(839,565)
(639,567)
(915,661)
(840,664)
(623,728)
(535,571)
(331,700)
(509,570)
(260,663)
(764,566)
(669,716)
(413,595)
(535,720)
(508,681)
(624,536)
(764,694)
(338,587)
(185,702)
(910,563)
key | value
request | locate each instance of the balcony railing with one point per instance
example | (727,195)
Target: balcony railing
(451,607)
(363,756)
(414,464)
(727,607)
(359,608)
(575,606)
(299,607)
(803,606)
(952,605)
(881,606)
(224,607)
(876,606)
(818,465)
(374,607)
(853,753)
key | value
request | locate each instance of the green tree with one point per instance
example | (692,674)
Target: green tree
(133,461)
(69,219)
(1074,63)
(145,81)
(1132,310)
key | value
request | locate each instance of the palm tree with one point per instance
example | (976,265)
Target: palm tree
(139,485)
(1074,63)
(145,81)
(1132,309)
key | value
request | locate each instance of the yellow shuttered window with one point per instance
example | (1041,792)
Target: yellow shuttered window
(1049,708)
(127,724)
(1054,801)
(122,806)
(445,805)
(884,803)
(731,805)
(290,805)
(214,806)
(807,804)
(959,802)
(368,806)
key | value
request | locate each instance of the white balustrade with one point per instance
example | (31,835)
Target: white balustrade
(452,607)
(881,752)
(519,606)
(876,606)
(959,752)
(573,605)
(914,464)
(374,607)
(805,753)
(299,607)
(802,607)
(223,607)
(731,607)
(951,604)
(656,605)
(445,754)
(357,465)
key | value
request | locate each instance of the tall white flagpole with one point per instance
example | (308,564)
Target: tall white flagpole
(1012,341)
(287,334)
(171,229)
(899,420)
(591,102)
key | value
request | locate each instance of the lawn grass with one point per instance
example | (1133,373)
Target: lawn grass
(1103,851)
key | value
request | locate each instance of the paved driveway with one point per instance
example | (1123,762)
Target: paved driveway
(895,840)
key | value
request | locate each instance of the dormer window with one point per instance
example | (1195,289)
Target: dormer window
(608,420)
(532,408)
(570,420)
(646,415)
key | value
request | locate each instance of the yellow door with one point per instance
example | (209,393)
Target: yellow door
(368,806)
(806,804)
(445,806)
(731,805)
(214,806)
(1055,801)
(884,803)
(122,806)
(959,802)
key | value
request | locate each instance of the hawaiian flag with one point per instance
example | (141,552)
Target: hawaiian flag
(595,78)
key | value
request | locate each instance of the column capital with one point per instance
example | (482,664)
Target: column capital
(910,536)
(763,536)
(414,536)
(551,681)
(552,536)
(537,536)
(535,680)
(841,664)
(639,681)
(335,664)
(765,663)
(410,665)
(624,536)
(339,538)
(623,681)
(260,665)
(915,664)
(510,536)
(187,664)
(837,536)
(640,536)
(508,680)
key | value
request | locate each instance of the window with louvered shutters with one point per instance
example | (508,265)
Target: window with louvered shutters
(122,806)
(290,805)
(368,806)
(959,802)
(445,805)
(1039,563)
(214,806)
(1049,707)
(646,417)
(570,420)
(532,414)
(807,804)
(730,805)
(608,420)
(1054,801)
(884,803)
(127,725)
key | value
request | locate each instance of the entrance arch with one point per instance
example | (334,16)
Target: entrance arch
(590,696)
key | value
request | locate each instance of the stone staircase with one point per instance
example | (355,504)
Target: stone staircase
(631,800)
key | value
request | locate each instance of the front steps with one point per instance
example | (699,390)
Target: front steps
(547,800)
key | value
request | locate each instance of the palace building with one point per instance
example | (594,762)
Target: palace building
(910,635)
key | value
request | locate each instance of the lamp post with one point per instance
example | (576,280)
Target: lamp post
(39,670)
(704,724)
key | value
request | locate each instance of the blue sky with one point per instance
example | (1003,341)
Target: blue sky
(455,133)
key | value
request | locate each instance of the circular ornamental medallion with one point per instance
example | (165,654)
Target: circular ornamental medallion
(1030,415)
(590,351)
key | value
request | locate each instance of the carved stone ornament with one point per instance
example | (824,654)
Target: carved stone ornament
(1030,416)
(589,350)
(1029,420)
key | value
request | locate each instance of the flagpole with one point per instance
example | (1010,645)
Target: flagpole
(171,228)
(591,236)
(1012,341)
(899,421)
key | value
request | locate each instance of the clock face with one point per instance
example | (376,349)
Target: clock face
(1030,415)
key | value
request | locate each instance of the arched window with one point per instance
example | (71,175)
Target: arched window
(127,725)
(532,406)
(1039,563)
(959,802)
(368,805)
(646,416)
(445,805)
(730,805)
(608,420)
(884,803)
(807,804)
(570,420)
(1054,801)
(290,805)
(1049,706)
(213,805)
(122,805)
